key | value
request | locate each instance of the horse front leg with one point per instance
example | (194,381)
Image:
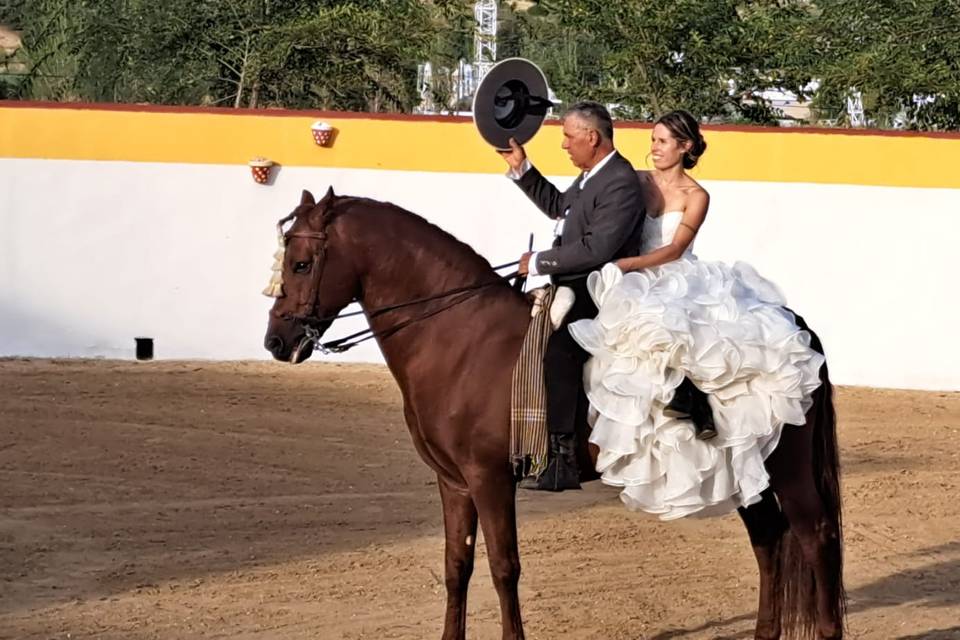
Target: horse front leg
(460,529)
(495,497)
(765,525)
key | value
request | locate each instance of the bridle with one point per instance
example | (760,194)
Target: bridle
(307,304)
(312,323)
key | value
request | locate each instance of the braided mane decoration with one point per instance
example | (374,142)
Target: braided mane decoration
(275,288)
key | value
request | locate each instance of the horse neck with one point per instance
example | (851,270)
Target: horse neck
(403,258)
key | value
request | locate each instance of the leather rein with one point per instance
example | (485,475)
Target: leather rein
(307,311)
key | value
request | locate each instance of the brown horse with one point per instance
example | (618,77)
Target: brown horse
(450,330)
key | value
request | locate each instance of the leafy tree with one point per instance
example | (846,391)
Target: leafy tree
(572,59)
(452,42)
(343,54)
(49,26)
(664,55)
(903,57)
(359,55)
(716,57)
(712,57)
(11,62)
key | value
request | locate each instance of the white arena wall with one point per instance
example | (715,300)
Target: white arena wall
(94,252)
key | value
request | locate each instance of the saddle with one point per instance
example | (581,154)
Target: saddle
(528,395)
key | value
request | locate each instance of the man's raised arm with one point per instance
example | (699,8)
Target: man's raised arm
(547,197)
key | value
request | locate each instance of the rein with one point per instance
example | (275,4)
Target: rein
(308,302)
(348,342)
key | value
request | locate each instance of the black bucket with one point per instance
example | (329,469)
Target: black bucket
(144,348)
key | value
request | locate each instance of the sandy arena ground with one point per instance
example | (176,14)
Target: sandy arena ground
(259,500)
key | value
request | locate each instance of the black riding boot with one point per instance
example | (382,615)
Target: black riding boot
(690,403)
(562,472)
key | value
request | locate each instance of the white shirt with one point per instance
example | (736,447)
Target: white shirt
(526,166)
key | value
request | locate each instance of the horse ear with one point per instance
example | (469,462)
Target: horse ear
(307,198)
(326,202)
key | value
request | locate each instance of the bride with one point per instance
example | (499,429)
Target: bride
(672,328)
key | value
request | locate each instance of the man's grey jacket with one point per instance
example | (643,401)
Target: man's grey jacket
(602,222)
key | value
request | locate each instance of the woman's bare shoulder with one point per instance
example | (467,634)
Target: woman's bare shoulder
(693,187)
(697,199)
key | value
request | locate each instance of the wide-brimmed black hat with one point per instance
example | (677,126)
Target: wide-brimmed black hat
(511,102)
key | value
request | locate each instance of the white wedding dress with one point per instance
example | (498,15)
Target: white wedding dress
(723,327)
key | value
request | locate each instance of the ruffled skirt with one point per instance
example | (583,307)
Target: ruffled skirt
(726,329)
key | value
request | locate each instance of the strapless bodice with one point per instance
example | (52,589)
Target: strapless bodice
(659,231)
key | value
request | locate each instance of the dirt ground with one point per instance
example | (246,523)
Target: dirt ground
(241,500)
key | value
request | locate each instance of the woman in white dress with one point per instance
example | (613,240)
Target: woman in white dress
(668,320)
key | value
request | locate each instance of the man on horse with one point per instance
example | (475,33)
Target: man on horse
(600,217)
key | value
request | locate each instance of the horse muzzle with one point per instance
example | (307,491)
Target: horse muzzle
(300,347)
(304,347)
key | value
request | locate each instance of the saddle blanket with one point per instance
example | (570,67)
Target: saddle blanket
(528,395)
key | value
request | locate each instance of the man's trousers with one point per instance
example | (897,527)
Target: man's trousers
(563,365)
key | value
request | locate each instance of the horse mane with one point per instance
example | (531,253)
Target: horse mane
(343,205)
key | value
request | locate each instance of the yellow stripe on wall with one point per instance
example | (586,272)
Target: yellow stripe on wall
(412,144)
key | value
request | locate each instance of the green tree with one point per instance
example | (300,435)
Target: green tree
(11,62)
(49,27)
(353,55)
(335,54)
(452,42)
(572,59)
(715,57)
(712,57)
(903,57)
(658,56)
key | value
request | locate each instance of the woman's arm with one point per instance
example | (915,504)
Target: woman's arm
(694,215)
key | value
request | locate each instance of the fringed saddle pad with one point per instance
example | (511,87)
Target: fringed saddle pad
(528,407)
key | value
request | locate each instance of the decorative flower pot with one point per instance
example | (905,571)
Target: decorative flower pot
(260,170)
(322,133)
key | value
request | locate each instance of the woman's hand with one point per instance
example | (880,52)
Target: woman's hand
(623,264)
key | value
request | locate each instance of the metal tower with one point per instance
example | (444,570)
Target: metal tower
(855,109)
(424,84)
(467,75)
(484,38)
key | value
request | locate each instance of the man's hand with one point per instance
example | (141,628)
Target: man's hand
(524,267)
(515,156)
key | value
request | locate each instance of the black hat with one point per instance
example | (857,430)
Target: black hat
(511,102)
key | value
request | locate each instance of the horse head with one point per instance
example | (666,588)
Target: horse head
(316,279)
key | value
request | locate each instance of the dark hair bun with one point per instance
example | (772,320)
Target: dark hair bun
(692,156)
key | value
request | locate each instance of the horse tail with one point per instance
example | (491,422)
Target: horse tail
(799,605)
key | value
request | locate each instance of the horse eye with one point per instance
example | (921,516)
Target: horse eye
(301,267)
